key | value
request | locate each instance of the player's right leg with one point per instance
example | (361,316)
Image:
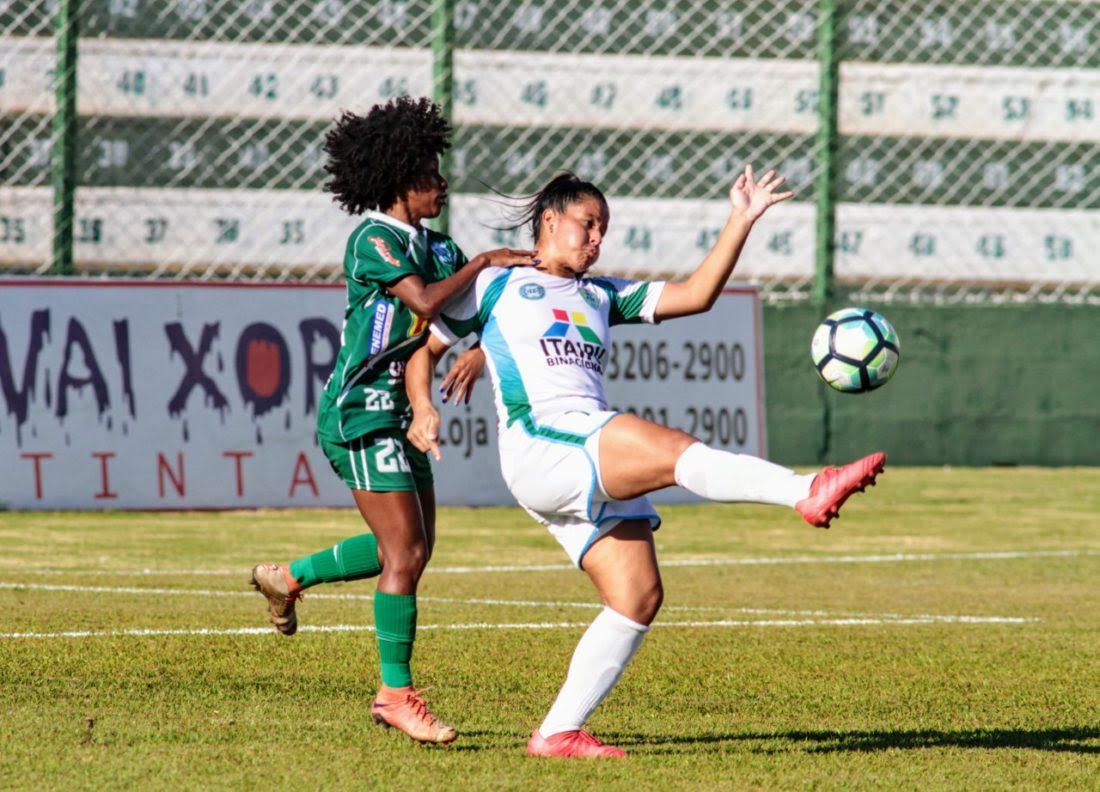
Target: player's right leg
(639,456)
(623,566)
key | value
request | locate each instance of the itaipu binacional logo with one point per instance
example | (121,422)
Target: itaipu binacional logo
(560,350)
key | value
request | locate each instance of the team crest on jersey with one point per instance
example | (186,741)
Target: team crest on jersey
(532,291)
(384,251)
(443,254)
(589,297)
(561,350)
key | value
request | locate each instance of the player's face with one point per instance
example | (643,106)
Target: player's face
(572,238)
(427,197)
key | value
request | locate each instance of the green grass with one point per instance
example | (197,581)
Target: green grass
(890,704)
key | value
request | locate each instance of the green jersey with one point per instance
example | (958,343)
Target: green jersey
(366,390)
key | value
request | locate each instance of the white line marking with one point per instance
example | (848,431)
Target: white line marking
(171,592)
(992,555)
(725,623)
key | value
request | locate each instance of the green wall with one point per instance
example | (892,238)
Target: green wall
(977,385)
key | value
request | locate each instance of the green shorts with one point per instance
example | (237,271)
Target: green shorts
(381,461)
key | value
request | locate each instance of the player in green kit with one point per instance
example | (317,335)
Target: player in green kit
(385,167)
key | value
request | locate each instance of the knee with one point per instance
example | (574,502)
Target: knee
(408,563)
(648,602)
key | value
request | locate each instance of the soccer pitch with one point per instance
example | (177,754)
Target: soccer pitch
(944,634)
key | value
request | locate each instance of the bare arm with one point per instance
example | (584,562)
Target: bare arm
(424,429)
(426,300)
(748,202)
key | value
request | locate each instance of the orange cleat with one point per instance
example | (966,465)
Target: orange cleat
(404,709)
(832,486)
(572,745)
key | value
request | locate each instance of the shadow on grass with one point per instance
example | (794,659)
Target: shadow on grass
(1070,740)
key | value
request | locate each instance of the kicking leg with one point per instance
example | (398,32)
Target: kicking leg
(639,456)
(623,567)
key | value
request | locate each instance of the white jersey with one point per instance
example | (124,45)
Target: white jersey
(546,339)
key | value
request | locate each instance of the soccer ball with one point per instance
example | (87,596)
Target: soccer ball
(855,350)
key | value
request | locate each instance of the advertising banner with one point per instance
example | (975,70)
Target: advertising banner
(154,395)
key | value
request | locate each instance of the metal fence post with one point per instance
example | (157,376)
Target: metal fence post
(442,82)
(64,145)
(826,152)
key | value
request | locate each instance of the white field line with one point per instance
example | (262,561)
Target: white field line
(991,555)
(173,592)
(722,624)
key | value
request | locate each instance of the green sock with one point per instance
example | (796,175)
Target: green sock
(395,623)
(352,559)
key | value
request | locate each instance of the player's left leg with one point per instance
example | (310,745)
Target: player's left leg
(639,456)
(623,567)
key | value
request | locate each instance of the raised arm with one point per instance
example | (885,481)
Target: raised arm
(424,429)
(749,200)
(426,300)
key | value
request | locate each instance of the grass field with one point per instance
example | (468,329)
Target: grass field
(944,634)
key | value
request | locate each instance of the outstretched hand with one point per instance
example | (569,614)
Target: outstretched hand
(752,198)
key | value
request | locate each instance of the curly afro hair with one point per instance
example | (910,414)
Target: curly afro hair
(376,159)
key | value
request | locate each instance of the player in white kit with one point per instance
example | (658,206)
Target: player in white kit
(581,469)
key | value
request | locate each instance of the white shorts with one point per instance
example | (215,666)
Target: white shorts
(552,468)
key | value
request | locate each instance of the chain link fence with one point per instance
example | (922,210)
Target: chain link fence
(968,164)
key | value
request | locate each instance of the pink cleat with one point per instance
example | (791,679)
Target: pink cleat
(832,486)
(572,745)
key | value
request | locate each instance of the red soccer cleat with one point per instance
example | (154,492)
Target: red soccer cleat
(832,486)
(572,745)
(404,709)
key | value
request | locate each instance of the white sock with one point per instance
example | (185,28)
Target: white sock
(722,476)
(598,661)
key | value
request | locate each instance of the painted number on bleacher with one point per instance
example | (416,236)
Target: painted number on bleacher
(1079,110)
(466,92)
(739,99)
(638,238)
(922,245)
(13,230)
(535,93)
(90,230)
(1016,108)
(671,98)
(991,246)
(265,86)
(131,82)
(229,229)
(1057,248)
(805,101)
(849,241)
(872,103)
(325,86)
(293,232)
(394,86)
(195,84)
(706,238)
(781,243)
(944,106)
(603,95)
(155,229)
